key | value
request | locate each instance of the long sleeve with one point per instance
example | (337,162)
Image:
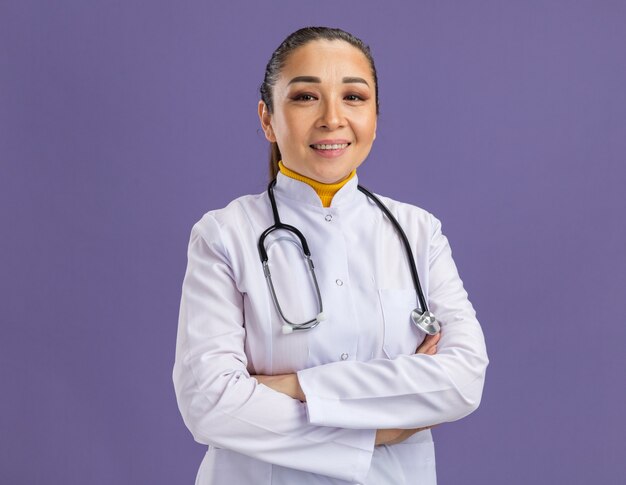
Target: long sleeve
(410,390)
(221,404)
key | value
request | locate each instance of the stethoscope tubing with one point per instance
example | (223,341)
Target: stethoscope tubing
(407,246)
(305,247)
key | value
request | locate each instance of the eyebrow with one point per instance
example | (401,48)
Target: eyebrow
(355,80)
(313,79)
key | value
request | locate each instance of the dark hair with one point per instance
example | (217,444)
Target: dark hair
(279,58)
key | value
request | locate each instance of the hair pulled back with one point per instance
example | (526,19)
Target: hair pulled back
(279,58)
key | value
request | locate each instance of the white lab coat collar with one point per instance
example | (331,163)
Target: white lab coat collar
(302,192)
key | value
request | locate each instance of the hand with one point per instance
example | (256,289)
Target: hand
(285,383)
(429,345)
(395,436)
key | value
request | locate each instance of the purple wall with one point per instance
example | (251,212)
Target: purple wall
(122,122)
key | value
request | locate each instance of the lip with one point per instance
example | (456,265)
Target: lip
(330,153)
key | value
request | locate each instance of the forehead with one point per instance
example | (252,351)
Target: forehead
(326,59)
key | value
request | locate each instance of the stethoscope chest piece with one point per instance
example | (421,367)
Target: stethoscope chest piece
(426,322)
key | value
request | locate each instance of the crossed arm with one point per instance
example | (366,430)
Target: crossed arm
(288,384)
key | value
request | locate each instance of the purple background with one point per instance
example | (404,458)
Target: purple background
(122,122)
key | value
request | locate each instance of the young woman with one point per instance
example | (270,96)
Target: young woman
(299,360)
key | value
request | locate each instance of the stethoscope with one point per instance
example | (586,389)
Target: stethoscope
(423,319)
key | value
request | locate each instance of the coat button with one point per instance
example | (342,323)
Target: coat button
(328,217)
(344,356)
(339,282)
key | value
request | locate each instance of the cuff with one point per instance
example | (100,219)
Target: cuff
(364,459)
(321,411)
(363,440)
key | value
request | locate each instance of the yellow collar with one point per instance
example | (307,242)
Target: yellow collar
(325,192)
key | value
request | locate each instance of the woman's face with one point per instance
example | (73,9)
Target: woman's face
(324,117)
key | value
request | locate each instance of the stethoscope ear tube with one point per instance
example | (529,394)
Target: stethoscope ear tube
(288,326)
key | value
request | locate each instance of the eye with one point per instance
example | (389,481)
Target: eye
(354,97)
(303,97)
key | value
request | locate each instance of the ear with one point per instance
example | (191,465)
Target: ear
(375,127)
(265,117)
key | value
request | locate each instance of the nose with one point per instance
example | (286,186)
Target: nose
(331,115)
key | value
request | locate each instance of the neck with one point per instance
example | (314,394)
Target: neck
(325,192)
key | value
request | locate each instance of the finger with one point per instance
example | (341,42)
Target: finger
(428,343)
(428,351)
(423,349)
(431,351)
(432,339)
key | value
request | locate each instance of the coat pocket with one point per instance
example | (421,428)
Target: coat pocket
(400,335)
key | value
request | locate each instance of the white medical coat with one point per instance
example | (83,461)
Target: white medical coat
(358,368)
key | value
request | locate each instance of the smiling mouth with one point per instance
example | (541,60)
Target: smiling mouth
(335,146)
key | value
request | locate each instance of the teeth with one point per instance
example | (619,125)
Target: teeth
(331,147)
